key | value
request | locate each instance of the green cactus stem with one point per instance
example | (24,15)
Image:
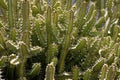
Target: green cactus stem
(3,4)
(10,14)
(1,48)
(75,73)
(69,4)
(79,46)
(23,55)
(3,59)
(98,65)
(111,72)
(52,52)
(25,14)
(115,32)
(15,12)
(38,3)
(35,70)
(50,71)
(13,63)
(11,46)
(103,72)
(2,39)
(66,43)
(48,26)
(106,27)
(87,74)
(13,34)
(88,26)
(26,38)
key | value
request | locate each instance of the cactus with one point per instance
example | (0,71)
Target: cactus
(42,39)
(75,73)
(50,71)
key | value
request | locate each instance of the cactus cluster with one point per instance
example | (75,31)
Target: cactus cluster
(59,40)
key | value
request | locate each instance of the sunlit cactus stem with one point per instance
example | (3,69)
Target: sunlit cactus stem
(50,71)
(103,72)
(111,72)
(66,43)
(23,55)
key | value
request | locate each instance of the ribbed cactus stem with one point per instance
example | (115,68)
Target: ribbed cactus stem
(3,4)
(38,3)
(75,73)
(13,63)
(115,32)
(55,18)
(87,74)
(13,34)
(69,4)
(26,38)
(98,65)
(88,25)
(23,54)
(2,39)
(35,70)
(52,51)
(106,27)
(48,26)
(10,14)
(82,11)
(111,72)
(25,14)
(15,12)
(103,72)
(80,45)
(66,43)
(50,71)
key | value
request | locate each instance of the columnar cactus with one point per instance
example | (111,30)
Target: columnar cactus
(42,39)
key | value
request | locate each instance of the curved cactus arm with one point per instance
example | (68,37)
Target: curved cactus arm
(106,27)
(99,22)
(80,45)
(98,64)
